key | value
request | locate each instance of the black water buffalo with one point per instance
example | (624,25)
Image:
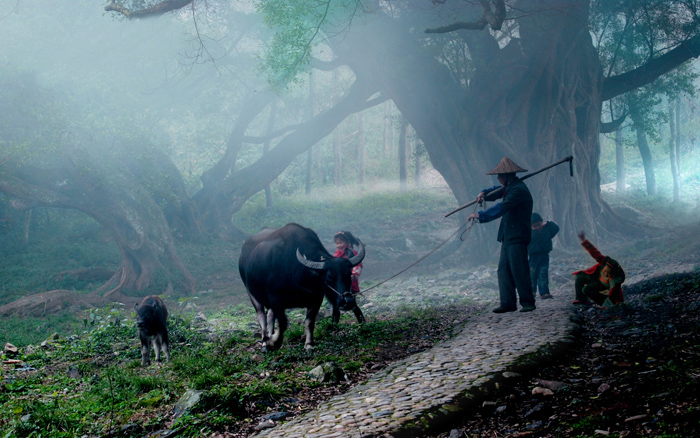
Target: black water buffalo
(289,267)
(152,320)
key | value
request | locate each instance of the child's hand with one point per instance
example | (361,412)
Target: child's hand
(582,235)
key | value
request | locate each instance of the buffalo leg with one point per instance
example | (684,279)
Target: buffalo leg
(161,346)
(261,317)
(335,318)
(277,337)
(309,324)
(165,342)
(145,349)
(270,322)
(358,314)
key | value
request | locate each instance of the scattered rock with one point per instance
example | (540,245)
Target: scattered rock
(266,424)
(535,425)
(551,384)
(327,372)
(456,433)
(188,400)
(11,350)
(511,375)
(535,410)
(276,416)
(501,409)
(538,390)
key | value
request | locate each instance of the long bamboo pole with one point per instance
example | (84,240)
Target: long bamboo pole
(570,159)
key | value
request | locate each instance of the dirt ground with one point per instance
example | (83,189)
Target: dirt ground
(634,373)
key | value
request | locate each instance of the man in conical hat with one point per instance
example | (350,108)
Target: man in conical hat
(513,233)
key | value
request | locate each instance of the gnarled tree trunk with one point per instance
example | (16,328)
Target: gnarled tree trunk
(536,100)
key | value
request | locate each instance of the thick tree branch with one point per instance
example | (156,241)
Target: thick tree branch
(250,180)
(608,127)
(493,18)
(155,10)
(271,136)
(325,65)
(647,73)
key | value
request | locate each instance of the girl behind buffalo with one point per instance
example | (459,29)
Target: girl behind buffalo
(344,244)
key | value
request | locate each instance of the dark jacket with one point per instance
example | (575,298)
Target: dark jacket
(541,242)
(516,210)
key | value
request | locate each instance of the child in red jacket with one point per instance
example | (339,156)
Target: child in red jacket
(601,283)
(344,243)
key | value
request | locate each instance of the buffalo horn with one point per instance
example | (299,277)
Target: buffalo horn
(308,263)
(356,260)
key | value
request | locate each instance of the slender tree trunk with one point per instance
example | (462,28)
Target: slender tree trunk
(392,131)
(620,160)
(361,149)
(266,148)
(337,147)
(645,152)
(337,158)
(27,226)
(678,144)
(416,158)
(672,152)
(310,153)
(647,160)
(385,136)
(403,168)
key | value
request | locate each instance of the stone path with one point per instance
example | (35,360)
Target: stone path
(429,388)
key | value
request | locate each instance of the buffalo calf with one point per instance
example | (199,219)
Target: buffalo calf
(152,320)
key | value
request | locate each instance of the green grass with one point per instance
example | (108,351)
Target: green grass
(364,208)
(108,387)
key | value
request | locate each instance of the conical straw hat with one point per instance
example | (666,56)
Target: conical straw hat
(506,166)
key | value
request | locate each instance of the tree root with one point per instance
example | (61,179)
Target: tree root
(51,302)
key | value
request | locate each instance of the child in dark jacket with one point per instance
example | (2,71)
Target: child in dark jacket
(602,282)
(538,251)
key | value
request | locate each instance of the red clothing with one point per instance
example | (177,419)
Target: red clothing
(356,271)
(617,279)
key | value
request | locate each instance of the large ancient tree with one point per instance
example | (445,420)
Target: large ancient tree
(521,78)
(533,92)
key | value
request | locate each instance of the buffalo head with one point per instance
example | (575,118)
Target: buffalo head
(338,272)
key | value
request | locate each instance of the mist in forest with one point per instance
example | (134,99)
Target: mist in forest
(180,127)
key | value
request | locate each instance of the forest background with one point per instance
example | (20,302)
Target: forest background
(137,152)
(152,134)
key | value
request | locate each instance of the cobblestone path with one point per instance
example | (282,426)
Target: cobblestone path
(428,388)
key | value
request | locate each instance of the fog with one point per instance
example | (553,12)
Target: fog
(161,129)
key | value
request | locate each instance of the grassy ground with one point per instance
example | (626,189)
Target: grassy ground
(92,382)
(87,380)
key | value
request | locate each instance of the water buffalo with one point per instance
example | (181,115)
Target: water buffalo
(288,268)
(152,320)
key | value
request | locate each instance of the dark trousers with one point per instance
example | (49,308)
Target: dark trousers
(589,289)
(514,273)
(539,272)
